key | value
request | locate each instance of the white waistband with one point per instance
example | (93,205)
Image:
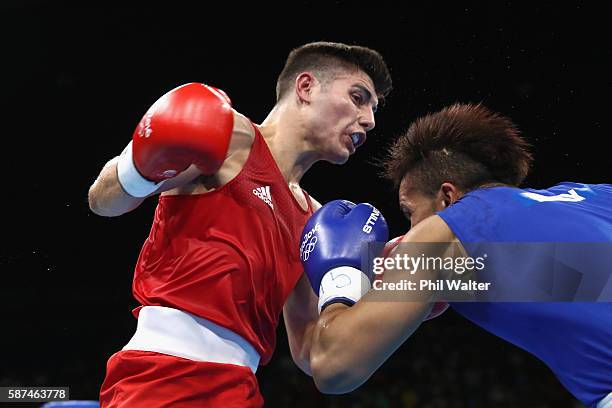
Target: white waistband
(606,402)
(181,334)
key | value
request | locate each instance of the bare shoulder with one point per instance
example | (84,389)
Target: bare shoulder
(243,134)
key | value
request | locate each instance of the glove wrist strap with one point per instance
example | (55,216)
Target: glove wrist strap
(344,284)
(130,179)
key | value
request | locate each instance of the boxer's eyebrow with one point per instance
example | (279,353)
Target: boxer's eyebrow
(368,96)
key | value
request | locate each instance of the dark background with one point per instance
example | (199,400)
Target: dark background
(79,77)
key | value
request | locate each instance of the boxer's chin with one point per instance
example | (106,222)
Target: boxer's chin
(338,159)
(338,156)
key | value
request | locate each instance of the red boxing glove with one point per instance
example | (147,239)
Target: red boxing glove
(191,124)
(389,246)
(438,307)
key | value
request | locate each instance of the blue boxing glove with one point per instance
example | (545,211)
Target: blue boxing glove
(331,250)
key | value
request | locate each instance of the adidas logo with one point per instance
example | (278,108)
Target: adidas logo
(264,194)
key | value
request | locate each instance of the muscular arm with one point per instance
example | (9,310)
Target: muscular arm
(300,314)
(350,343)
(107,197)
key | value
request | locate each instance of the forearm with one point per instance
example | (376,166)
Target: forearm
(339,364)
(106,196)
(350,343)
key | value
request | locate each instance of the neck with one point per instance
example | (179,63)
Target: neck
(285,134)
(490,184)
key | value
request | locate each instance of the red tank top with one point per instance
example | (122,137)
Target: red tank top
(230,255)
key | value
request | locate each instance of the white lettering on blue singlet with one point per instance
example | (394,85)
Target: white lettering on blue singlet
(571,196)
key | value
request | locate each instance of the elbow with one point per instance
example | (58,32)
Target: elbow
(95,204)
(332,378)
(302,361)
(106,197)
(335,359)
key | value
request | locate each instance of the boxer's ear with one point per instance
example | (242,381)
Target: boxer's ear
(304,84)
(448,194)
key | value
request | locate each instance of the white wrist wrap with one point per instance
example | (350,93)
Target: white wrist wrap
(130,179)
(344,283)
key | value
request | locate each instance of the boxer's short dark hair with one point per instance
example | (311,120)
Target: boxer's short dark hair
(465,144)
(325,58)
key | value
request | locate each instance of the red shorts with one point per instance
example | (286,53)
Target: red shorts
(147,379)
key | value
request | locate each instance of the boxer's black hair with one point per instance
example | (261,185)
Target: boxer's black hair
(324,58)
(464,144)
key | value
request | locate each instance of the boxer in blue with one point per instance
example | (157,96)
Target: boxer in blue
(458,172)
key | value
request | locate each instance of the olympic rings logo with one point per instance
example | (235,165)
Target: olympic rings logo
(308,248)
(309,242)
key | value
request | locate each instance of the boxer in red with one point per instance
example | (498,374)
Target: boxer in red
(222,259)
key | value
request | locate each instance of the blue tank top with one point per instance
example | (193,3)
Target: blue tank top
(566,231)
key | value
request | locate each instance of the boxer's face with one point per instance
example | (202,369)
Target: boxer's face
(341,112)
(417,205)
